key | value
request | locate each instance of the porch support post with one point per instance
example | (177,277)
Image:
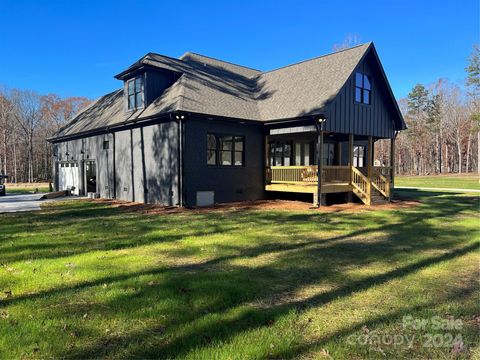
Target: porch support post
(370,157)
(320,166)
(350,163)
(350,149)
(392,163)
(266,160)
(339,152)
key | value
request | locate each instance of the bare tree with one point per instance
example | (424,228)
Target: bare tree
(350,40)
(28,115)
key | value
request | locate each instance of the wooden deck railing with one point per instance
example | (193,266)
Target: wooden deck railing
(380,182)
(336,174)
(386,171)
(308,174)
(290,174)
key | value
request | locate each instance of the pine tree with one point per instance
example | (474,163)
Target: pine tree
(473,73)
(418,99)
(434,121)
(473,85)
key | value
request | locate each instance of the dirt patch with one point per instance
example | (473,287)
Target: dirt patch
(285,205)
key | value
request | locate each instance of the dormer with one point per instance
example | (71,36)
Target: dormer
(147,79)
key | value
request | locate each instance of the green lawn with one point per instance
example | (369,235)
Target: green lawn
(440,181)
(84,279)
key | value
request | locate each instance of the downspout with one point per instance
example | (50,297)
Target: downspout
(179,118)
(114,170)
(132,171)
(144,171)
(82,169)
(180,163)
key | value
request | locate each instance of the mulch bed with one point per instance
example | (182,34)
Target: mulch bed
(286,205)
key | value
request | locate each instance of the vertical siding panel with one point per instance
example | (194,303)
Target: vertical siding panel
(377,124)
(351,109)
(349,106)
(345,117)
(341,110)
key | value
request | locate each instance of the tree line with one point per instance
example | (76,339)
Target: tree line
(27,119)
(443,120)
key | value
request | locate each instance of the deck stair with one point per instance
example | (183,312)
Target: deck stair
(377,198)
(371,190)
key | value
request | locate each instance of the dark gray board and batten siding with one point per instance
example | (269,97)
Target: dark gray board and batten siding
(143,175)
(346,116)
(230,183)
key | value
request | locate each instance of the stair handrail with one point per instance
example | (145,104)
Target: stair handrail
(362,184)
(381,183)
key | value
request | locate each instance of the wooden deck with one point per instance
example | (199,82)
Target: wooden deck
(373,188)
(310,188)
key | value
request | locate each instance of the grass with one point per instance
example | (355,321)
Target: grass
(26,188)
(463,181)
(84,279)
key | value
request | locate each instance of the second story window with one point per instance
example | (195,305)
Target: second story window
(363,87)
(135,93)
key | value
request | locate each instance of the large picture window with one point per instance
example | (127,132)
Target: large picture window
(363,87)
(225,150)
(135,93)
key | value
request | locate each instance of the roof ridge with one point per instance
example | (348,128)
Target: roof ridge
(219,60)
(157,54)
(318,57)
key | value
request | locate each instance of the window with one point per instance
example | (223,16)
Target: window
(106,145)
(363,87)
(281,153)
(328,154)
(359,156)
(225,150)
(135,93)
(302,153)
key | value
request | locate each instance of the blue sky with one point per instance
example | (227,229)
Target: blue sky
(73,48)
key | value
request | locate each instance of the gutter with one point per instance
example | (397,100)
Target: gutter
(179,118)
(125,125)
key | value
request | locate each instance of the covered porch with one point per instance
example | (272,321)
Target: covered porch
(346,162)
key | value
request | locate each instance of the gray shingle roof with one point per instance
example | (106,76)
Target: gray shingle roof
(215,87)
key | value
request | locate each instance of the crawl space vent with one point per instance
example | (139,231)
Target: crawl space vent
(205,198)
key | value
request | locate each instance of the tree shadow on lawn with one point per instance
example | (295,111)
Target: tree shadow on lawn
(200,305)
(82,230)
(205,314)
(83,227)
(394,318)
